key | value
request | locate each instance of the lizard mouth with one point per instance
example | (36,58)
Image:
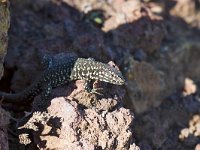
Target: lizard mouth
(120,81)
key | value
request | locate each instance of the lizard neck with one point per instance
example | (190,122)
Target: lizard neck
(82,70)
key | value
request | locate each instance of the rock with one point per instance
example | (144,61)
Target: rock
(197,147)
(140,55)
(143,85)
(149,82)
(188,10)
(66,125)
(4,121)
(4,26)
(190,136)
(189,87)
(167,32)
(172,115)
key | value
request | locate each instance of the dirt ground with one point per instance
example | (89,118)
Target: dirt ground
(155,44)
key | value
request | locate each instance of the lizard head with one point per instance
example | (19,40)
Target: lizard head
(89,69)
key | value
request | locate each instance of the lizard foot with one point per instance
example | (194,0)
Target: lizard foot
(95,91)
(89,88)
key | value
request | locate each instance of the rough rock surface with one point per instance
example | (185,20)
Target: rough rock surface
(4,25)
(192,130)
(167,125)
(68,126)
(187,10)
(154,43)
(81,121)
(189,87)
(139,35)
(4,121)
(143,90)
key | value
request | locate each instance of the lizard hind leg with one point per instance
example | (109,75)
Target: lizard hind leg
(11,97)
(44,100)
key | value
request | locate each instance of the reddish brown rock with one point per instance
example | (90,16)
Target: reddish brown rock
(69,126)
(197,147)
(144,84)
(189,87)
(188,10)
(163,36)
(4,26)
(4,121)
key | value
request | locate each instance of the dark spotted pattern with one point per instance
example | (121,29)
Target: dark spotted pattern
(63,72)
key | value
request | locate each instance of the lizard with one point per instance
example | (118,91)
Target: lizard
(62,72)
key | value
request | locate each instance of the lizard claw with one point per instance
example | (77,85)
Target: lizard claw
(94,91)
(27,114)
(89,88)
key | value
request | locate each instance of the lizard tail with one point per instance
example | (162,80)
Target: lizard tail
(10,98)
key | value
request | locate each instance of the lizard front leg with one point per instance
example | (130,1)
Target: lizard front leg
(88,86)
